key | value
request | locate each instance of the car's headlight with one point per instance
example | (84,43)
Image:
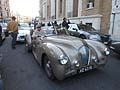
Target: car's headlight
(94,58)
(94,37)
(107,52)
(63,59)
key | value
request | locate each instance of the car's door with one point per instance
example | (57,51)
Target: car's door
(35,44)
(39,47)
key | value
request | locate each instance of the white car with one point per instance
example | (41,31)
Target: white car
(82,32)
(4,25)
(22,32)
(87,32)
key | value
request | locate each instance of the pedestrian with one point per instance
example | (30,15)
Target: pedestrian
(55,23)
(69,21)
(48,24)
(81,23)
(0,35)
(64,23)
(38,31)
(13,30)
(35,23)
(29,24)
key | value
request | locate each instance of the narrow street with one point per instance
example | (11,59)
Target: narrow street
(20,71)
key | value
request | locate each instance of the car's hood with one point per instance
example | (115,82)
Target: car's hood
(70,45)
(24,32)
(69,42)
(94,32)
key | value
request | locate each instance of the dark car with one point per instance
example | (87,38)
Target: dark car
(87,32)
(115,46)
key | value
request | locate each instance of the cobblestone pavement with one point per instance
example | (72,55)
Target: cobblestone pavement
(20,71)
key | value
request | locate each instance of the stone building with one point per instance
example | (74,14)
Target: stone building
(115,20)
(4,9)
(93,12)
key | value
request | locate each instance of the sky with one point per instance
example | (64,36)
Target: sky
(25,7)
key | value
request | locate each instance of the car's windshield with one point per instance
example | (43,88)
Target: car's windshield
(24,24)
(48,31)
(86,27)
(24,28)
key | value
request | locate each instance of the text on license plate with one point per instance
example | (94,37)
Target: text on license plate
(85,69)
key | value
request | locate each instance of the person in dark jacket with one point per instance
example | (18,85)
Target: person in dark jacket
(64,23)
(69,21)
(0,35)
(55,23)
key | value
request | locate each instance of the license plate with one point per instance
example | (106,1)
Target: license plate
(105,42)
(85,69)
(22,37)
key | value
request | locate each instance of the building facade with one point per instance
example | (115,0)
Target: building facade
(4,9)
(93,12)
(115,20)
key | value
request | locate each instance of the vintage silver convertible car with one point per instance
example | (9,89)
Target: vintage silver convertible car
(62,55)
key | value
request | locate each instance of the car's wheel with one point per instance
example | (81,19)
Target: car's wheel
(82,36)
(48,68)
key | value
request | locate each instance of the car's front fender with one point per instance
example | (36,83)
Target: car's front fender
(53,52)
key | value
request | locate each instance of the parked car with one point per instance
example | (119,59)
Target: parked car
(4,27)
(22,31)
(115,46)
(62,55)
(3,36)
(87,32)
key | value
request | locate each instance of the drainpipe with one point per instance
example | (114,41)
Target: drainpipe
(55,9)
(114,18)
(113,22)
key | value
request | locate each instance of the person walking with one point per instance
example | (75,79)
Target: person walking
(69,21)
(0,35)
(13,30)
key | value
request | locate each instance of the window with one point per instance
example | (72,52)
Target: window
(69,8)
(90,4)
(75,8)
(69,14)
(90,24)
(53,9)
(60,6)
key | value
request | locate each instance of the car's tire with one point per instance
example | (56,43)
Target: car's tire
(47,67)
(82,36)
